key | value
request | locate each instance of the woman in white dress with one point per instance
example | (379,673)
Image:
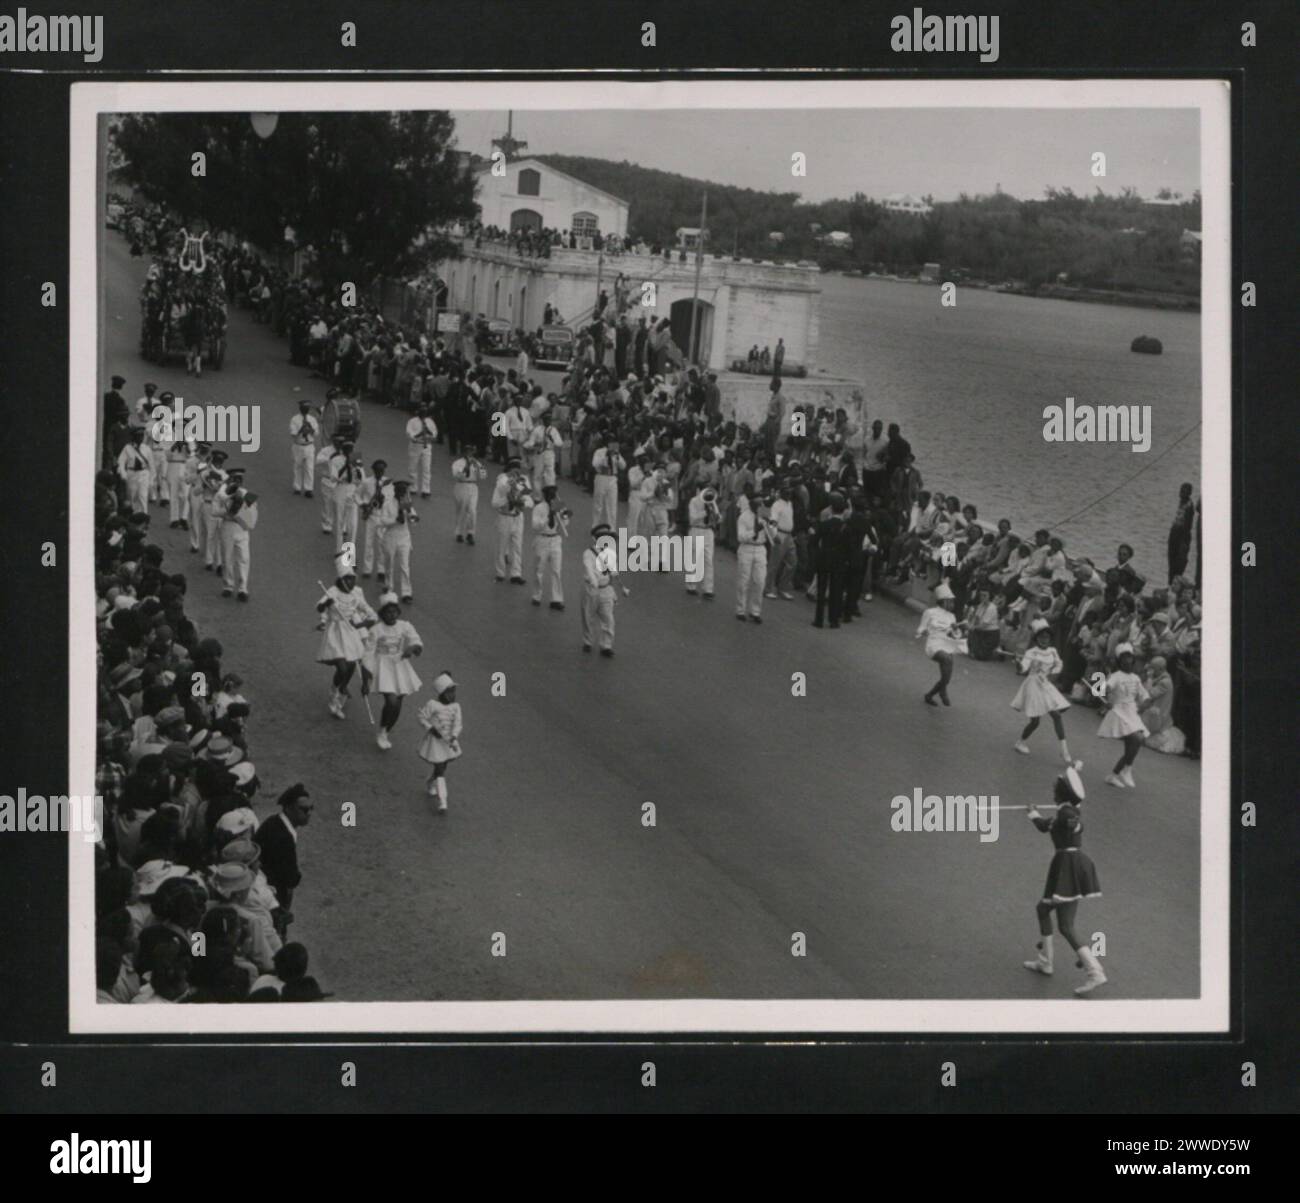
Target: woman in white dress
(1037,696)
(346,614)
(1124,694)
(386,666)
(441,743)
(943,639)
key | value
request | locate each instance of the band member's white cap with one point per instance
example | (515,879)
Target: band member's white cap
(442,682)
(345,565)
(388,599)
(1039,624)
(942,592)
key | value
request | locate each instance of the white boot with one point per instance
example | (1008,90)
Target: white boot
(336,703)
(1065,752)
(442,793)
(1043,962)
(1112,779)
(382,739)
(1126,776)
(1022,747)
(1095,976)
(431,787)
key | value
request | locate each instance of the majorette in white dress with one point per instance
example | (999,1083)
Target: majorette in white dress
(937,625)
(1124,694)
(443,721)
(344,637)
(390,669)
(1037,695)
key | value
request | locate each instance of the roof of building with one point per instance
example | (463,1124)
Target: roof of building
(540,164)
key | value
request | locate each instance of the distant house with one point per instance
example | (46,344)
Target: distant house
(1190,239)
(532,194)
(688,237)
(905,202)
(839,238)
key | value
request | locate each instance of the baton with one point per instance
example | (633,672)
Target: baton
(1033,806)
(370,714)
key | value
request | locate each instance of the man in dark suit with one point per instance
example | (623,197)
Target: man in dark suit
(116,417)
(830,535)
(858,532)
(278,840)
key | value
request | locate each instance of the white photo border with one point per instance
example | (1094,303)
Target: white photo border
(1208,1014)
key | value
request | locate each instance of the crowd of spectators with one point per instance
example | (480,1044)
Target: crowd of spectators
(195,873)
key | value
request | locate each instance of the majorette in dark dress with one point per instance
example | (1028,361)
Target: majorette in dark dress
(1071,877)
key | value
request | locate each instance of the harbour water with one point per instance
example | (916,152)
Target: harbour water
(968,385)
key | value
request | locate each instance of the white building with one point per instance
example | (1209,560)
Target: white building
(531,194)
(905,202)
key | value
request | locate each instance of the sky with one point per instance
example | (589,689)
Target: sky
(943,152)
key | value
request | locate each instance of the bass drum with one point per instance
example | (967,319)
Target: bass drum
(342,416)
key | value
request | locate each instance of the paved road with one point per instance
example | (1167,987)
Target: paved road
(772,811)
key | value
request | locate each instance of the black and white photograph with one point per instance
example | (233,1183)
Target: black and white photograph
(589,557)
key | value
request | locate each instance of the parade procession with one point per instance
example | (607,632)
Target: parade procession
(618,577)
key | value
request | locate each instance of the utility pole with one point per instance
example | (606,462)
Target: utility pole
(699,263)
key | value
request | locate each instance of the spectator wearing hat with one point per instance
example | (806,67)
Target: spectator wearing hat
(233,882)
(278,840)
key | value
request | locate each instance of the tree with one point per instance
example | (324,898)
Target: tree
(368,192)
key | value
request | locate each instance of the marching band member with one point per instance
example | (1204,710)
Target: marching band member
(751,558)
(544,445)
(519,425)
(213,480)
(159,438)
(1071,877)
(704,516)
(550,525)
(236,510)
(598,573)
(324,457)
(396,516)
(606,464)
(178,496)
(347,614)
(636,475)
(144,406)
(1038,696)
(135,467)
(198,463)
(510,497)
(443,724)
(943,640)
(1125,693)
(344,475)
(391,645)
(370,501)
(467,471)
(302,437)
(421,432)
(661,502)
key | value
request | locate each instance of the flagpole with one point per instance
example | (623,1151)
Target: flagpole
(699,263)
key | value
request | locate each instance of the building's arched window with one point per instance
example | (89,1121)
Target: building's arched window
(584,225)
(530,182)
(525,219)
